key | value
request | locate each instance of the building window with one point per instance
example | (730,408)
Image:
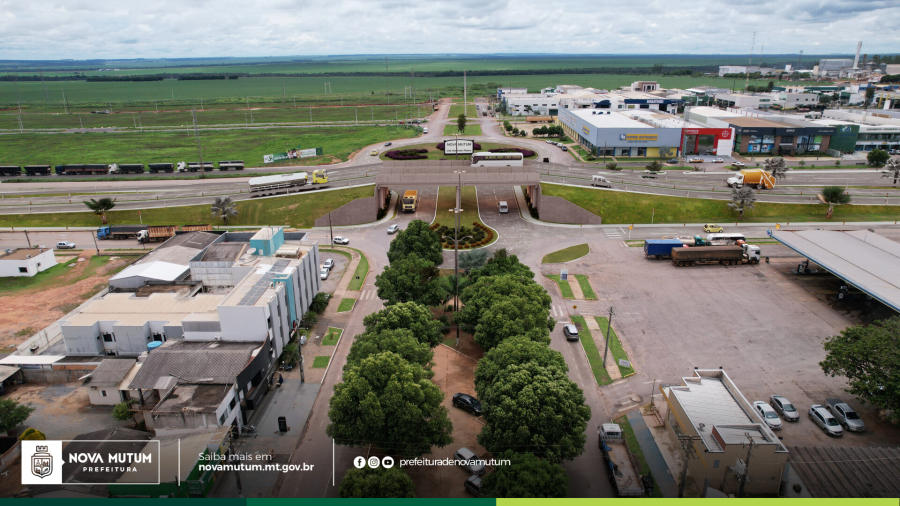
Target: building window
(222,418)
(109,338)
(715,464)
(23,269)
(642,152)
(102,393)
(233,403)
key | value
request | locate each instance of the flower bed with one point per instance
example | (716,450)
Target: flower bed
(480,233)
(407,154)
(525,152)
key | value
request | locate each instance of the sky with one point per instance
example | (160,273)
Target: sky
(85,29)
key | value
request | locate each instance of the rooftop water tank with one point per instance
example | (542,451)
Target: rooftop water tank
(154,345)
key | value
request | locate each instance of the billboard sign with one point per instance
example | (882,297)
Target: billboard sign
(459,147)
(638,137)
(292,154)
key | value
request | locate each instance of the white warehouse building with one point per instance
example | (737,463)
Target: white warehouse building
(24,262)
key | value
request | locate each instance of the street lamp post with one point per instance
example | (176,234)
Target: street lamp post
(456,238)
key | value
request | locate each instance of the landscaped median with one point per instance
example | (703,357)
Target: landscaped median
(473,233)
(566,254)
(585,286)
(564,287)
(346,305)
(594,355)
(626,207)
(334,334)
(615,346)
(299,211)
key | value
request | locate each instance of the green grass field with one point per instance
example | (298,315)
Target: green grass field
(333,251)
(321,362)
(456,109)
(51,277)
(298,211)
(359,275)
(333,335)
(470,130)
(346,305)
(594,356)
(635,448)
(615,346)
(436,154)
(620,207)
(585,285)
(337,143)
(564,286)
(567,254)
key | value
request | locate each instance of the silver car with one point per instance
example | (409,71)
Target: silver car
(784,408)
(845,415)
(466,458)
(821,417)
(393,229)
(768,414)
(323,273)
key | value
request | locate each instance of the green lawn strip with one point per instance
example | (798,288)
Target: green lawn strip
(615,346)
(50,278)
(457,109)
(470,130)
(635,449)
(362,270)
(469,204)
(343,253)
(595,359)
(346,305)
(321,362)
(299,211)
(621,207)
(171,146)
(437,154)
(586,287)
(334,334)
(564,286)
(566,254)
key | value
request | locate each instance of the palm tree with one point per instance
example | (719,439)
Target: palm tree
(833,196)
(472,259)
(892,169)
(224,208)
(776,167)
(742,199)
(100,207)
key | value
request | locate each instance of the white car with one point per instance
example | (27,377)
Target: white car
(341,240)
(738,164)
(718,160)
(768,414)
(466,458)
(329,264)
(323,273)
(65,245)
(393,229)
(425,130)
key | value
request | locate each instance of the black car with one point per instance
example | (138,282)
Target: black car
(673,161)
(386,144)
(468,403)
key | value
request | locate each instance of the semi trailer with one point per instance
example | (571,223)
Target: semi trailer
(120,231)
(661,248)
(688,257)
(126,168)
(10,170)
(285,183)
(157,233)
(37,170)
(161,167)
(232,164)
(82,170)
(194,166)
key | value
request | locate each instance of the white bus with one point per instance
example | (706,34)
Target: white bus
(723,239)
(497,159)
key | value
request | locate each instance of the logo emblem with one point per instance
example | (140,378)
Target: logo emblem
(359,462)
(621,137)
(387,462)
(42,462)
(374,462)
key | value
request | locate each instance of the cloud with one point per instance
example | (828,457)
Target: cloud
(83,29)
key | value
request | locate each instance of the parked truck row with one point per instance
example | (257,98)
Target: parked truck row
(690,251)
(147,233)
(116,168)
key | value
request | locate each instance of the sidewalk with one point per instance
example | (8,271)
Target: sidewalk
(662,475)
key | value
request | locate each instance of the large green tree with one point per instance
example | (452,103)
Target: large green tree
(101,207)
(13,413)
(406,315)
(877,157)
(513,316)
(400,341)
(487,290)
(526,476)
(869,357)
(514,351)
(377,483)
(416,238)
(536,409)
(503,263)
(411,279)
(388,402)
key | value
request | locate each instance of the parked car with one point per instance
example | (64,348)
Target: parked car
(737,164)
(695,160)
(65,245)
(718,160)
(468,403)
(329,264)
(712,228)
(673,161)
(341,240)
(393,229)
(323,273)
(769,415)
(821,417)
(784,408)
(564,148)
(386,144)
(570,331)
(845,415)
(473,485)
(551,142)
(468,457)
(425,130)
(374,152)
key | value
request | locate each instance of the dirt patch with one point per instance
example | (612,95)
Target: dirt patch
(40,307)
(73,401)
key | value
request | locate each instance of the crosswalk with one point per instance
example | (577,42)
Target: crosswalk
(368,294)
(558,311)
(613,233)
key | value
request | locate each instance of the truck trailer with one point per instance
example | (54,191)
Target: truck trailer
(410,201)
(194,166)
(161,167)
(197,228)
(755,178)
(10,170)
(156,234)
(285,183)
(126,168)
(231,164)
(82,170)
(37,170)
(688,257)
(622,468)
(661,248)
(120,231)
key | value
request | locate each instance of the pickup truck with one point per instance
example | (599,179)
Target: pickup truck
(845,415)
(622,468)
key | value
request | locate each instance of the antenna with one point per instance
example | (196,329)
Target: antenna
(747,81)
(799,57)
(856,61)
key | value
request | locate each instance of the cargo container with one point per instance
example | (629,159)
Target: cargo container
(727,255)
(661,248)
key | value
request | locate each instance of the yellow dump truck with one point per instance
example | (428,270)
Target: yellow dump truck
(410,201)
(755,178)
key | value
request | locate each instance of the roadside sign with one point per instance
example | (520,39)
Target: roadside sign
(778,226)
(624,363)
(564,274)
(630,227)
(574,307)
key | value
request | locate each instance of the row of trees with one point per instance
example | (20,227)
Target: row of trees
(549,131)
(223,208)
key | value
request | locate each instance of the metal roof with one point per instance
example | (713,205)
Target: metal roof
(211,362)
(708,401)
(110,372)
(845,472)
(31,359)
(163,271)
(864,259)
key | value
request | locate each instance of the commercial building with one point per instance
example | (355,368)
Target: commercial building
(833,67)
(744,69)
(531,104)
(167,263)
(104,384)
(26,262)
(742,100)
(509,91)
(766,133)
(709,411)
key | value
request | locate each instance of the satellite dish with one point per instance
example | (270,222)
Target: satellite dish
(251,251)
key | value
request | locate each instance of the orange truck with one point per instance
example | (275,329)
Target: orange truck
(755,178)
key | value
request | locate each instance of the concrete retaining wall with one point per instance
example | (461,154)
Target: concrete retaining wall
(356,212)
(560,210)
(57,374)
(11,454)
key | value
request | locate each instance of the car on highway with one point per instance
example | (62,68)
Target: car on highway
(65,245)
(466,458)
(468,403)
(769,415)
(600,181)
(712,228)
(341,240)
(672,161)
(374,152)
(323,273)
(718,160)
(695,160)
(784,408)
(737,164)
(821,417)
(845,415)
(329,264)
(393,229)
(386,144)
(570,331)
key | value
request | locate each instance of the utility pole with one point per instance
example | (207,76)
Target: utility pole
(612,313)
(197,136)
(749,446)
(750,63)
(687,446)
(330,229)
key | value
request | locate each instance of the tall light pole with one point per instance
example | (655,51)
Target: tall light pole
(612,313)
(456,239)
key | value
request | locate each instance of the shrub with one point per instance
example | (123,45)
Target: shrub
(525,152)
(802,163)
(32,435)
(407,154)
(837,163)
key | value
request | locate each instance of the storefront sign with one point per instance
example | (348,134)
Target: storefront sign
(586,130)
(459,147)
(638,137)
